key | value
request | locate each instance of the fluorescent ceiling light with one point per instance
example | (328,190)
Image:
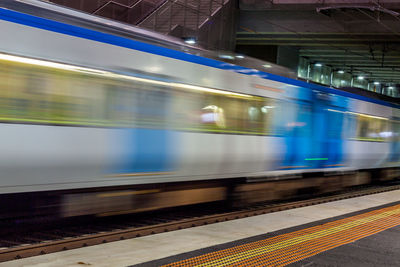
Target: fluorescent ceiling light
(226,56)
(190,41)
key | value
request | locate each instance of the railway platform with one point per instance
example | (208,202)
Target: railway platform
(351,232)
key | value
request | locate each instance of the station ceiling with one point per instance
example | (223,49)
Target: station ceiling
(358,36)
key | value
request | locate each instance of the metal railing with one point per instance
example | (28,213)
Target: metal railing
(132,13)
(188,18)
(211,22)
(190,14)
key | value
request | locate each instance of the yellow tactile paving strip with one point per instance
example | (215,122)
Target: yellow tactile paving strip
(291,247)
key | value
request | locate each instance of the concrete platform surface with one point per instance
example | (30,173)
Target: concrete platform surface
(382,249)
(290,245)
(143,249)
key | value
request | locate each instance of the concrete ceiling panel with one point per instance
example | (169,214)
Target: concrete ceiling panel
(348,34)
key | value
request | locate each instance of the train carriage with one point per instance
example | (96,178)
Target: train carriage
(98,117)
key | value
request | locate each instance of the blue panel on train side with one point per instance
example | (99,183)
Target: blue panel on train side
(299,93)
(395,141)
(318,156)
(334,138)
(297,121)
(313,130)
(339,101)
(147,150)
(327,133)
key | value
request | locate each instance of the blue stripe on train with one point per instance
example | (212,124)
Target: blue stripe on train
(76,31)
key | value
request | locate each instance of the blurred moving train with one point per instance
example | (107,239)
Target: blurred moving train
(99,117)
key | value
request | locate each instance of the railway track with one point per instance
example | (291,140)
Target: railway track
(70,236)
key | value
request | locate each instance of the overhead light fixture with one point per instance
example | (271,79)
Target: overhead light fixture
(390,87)
(318,65)
(239,56)
(190,40)
(226,56)
(360,77)
(341,71)
(376,83)
(267,66)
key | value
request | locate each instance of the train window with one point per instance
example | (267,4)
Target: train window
(72,98)
(395,131)
(12,104)
(42,94)
(187,108)
(233,110)
(39,94)
(211,112)
(51,96)
(370,128)
(259,114)
(120,103)
(150,105)
(129,103)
